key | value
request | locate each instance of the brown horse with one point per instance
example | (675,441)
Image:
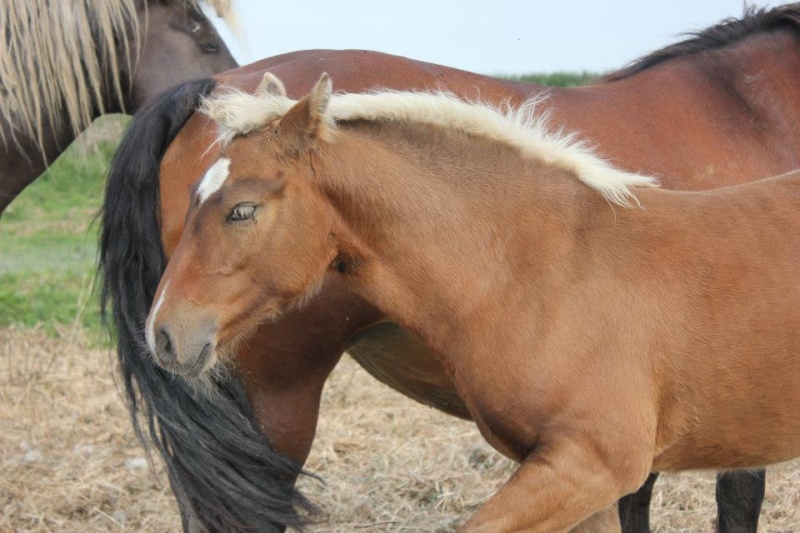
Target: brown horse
(591,343)
(718,111)
(66,63)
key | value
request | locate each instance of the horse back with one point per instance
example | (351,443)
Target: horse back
(364,70)
(719,117)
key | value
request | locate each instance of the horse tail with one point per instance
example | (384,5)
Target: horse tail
(223,472)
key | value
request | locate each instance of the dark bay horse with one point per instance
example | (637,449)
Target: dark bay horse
(593,336)
(719,112)
(66,63)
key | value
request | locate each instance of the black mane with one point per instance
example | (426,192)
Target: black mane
(224,473)
(723,34)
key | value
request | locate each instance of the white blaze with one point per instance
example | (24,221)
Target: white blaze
(149,333)
(214,178)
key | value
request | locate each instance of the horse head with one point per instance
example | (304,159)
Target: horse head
(254,210)
(195,48)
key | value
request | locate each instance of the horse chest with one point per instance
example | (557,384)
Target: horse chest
(507,432)
(401,361)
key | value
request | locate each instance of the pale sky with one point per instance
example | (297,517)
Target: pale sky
(490,36)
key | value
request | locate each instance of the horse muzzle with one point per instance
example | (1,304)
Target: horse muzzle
(186,355)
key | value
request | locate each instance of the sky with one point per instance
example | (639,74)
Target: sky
(488,36)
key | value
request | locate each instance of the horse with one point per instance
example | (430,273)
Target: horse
(66,63)
(591,341)
(718,111)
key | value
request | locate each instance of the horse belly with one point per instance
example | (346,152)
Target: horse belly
(747,417)
(746,445)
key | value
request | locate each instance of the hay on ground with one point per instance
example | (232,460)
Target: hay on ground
(70,463)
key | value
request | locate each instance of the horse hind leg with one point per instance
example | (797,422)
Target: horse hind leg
(634,509)
(739,497)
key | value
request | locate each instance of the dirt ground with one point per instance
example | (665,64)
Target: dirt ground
(69,461)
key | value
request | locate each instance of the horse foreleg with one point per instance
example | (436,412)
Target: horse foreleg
(739,497)
(634,509)
(567,485)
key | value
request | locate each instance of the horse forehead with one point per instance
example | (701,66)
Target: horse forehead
(213,179)
(251,158)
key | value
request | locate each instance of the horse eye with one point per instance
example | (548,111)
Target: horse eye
(242,212)
(209,48)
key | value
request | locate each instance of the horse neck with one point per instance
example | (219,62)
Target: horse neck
(443,226)
(23,158)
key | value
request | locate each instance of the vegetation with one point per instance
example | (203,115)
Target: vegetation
(48,238)
(558,79)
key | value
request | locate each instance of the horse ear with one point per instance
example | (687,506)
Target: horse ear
(270,84)
(308,119)
(321,94)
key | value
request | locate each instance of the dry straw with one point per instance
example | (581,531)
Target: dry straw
(70,463)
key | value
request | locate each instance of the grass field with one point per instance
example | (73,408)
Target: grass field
(48,238)
(70,463)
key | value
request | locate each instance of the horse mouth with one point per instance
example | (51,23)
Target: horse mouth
(195,369)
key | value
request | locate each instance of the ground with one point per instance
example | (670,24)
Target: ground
(70,463)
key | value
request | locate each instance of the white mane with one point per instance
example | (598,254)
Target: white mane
(238,113)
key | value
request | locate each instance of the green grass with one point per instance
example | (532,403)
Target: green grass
(558,79)
(48,239)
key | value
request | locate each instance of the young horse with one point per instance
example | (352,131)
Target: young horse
(589,342)
(67,63)
(721,107)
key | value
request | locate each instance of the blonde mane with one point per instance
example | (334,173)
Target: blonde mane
(55,55)
(238,113)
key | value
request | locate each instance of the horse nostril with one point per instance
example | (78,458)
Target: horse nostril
(164,348)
